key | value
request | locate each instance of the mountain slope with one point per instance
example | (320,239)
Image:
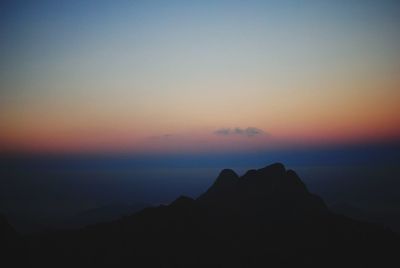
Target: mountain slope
(267,217)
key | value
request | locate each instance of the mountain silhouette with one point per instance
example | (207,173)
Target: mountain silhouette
(265,218)
(11,245)
(271,189)
(7,232)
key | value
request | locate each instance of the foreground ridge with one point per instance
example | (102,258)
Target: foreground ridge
(267,217)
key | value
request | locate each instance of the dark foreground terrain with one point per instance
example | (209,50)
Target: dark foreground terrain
(266,218)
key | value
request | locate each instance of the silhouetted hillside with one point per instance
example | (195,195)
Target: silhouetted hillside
(7,232)
(266,218)
(100,214)
(11,246)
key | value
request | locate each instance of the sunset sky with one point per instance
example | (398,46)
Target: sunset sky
(197,76)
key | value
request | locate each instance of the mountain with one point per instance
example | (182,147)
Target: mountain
(271,189)
(390,218)
(265,218)
(11,245)
(100,214)
(7,232)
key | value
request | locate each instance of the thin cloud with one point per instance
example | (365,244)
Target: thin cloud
(223,132)
(248,132)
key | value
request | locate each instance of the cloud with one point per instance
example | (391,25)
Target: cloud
(223,132)
(249,132)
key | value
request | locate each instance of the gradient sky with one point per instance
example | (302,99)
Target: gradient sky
(198,76)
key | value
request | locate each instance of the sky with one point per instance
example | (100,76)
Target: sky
(197,76)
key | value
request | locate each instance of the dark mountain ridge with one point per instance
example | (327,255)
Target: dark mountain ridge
(272,189)
(266,217)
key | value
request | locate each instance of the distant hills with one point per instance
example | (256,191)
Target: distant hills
(265,218)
